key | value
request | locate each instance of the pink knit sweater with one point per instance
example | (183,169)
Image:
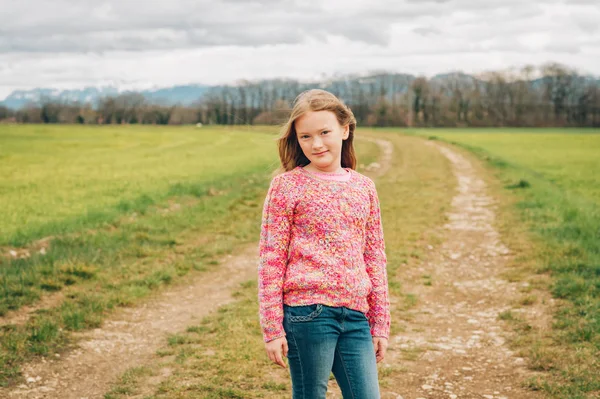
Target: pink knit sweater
(321,242)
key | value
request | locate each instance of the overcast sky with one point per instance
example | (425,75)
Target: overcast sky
(140,44)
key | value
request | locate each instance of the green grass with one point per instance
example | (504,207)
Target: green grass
(57,179)
(131,251)
(551,179)
(224,357)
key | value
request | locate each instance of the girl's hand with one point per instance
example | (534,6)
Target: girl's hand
(380,345)
(276,348)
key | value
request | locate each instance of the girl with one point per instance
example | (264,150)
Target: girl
(322,281)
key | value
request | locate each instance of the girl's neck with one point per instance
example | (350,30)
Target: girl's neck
(338,171)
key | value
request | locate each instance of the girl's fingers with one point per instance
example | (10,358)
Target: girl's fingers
(279,359)
(379,350)
(285,349)
(275,357)
(376,345)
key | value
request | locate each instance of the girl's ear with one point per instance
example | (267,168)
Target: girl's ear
(346,133)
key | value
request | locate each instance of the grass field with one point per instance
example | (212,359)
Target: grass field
(56,179)
(551,179)
(133,215)
(132,209)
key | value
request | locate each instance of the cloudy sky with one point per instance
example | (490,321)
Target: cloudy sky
(156,43)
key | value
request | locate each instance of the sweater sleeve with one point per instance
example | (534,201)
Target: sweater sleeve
(273,257)
(375,261)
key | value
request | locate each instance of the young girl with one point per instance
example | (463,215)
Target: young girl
(322,281)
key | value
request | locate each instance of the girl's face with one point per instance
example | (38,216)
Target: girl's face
(320,136)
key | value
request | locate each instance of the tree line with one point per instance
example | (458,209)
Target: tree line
(545,96)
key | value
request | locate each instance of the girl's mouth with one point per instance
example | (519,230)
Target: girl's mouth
(321,153)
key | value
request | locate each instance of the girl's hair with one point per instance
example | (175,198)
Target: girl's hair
(290,152)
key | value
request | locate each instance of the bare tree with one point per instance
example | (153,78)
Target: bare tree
(549,95)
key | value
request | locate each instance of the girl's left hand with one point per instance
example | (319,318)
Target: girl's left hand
(380,345)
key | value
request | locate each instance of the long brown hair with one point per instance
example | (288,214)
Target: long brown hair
(290,152)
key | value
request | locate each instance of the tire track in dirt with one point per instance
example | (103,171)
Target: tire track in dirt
(380,168)
(132,335)
(454,345)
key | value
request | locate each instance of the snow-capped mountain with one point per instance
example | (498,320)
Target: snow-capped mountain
(171,95)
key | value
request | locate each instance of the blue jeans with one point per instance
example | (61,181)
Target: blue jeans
(324,339)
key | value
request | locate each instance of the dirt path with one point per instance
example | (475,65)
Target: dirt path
(454,338)
(380,168)
(131,337)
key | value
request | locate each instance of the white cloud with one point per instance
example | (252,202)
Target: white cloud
(66,43)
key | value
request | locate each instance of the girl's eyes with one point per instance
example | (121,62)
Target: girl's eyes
(306,136)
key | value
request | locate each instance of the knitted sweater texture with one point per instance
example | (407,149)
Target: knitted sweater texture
(322,242)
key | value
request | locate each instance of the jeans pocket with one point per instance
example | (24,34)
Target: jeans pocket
(300,314)
(360,314)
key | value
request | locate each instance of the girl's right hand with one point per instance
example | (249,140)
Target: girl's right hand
(276,348)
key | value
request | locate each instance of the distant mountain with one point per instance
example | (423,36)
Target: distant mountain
(19,98)
(188,94)
(455,76)
(184,95)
